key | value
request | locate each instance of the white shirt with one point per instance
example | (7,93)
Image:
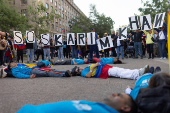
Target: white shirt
(118,42)
(161,35)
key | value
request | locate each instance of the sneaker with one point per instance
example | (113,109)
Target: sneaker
(157,69)
(58,60)
(68,74)
(3,74)
(33,61)
(2,66)
(161,58)
(142,71)
(28,62)
(151,70)
(164,58)
(147,68)
(62,60)
(51,62)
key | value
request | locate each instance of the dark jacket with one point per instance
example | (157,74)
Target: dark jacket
(164,31)
(115,41)
(137,36)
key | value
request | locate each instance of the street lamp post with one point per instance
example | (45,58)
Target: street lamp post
(70,24)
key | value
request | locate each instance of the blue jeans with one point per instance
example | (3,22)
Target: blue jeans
(60,53)
(136,46)
(46,52)
(74,52)
(30,54)
(120,49)
(95,49)
(162,48)
(52,52)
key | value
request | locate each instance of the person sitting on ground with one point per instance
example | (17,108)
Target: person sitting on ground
(141,82)
(107,60)
(101,70)
(115,103)
(23,72)
(72,62)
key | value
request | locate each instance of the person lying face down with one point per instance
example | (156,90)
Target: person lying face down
(107,60)
(72,62)
(115,103)
(101,70)
(23,72)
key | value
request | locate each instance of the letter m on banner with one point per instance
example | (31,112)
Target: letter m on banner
(104,43)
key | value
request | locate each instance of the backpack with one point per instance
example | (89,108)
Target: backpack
(154,100)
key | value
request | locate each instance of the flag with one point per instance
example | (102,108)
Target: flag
(63,30)
(168,38)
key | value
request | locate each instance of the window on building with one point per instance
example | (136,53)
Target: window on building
(55,11)
(55,4)
(59,13)
(60,30)
(51,1)
(59,6)
(51,8)
(47,6)
(23,1)
(60,22)
(66,17)
(63,16)
(52,26)
(56,28)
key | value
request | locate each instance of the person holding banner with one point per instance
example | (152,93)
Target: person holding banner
(106,51)
(3,46)
(137,42)
(113,48)
(74,49)
(94,48)
(162,40)
(30,52)
(40,49)
(102,70)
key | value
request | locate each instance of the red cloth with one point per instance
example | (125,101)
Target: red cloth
(96,60)
(104,72)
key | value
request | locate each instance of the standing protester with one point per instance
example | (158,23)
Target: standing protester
(35,48)
(94,47)
(83,48)
(64,49)
(149,42)
(30,52)
(106,51)
(40,49)
(143,44)
(60,52)
(8,52)
(68,51)
(155,46)
(74,49)
(46,50)
(20,48)
(3,46)
(113,48)
(52,47)
(162,40)
(137,42)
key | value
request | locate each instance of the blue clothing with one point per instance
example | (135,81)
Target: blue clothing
(107,60)
(164,31)
(64,45)
(136,46)
(46,62)
(142,82)
(120,49)
(21,72)
(78,61)
(85,71)
(95,49)
(76,106)
(96,35)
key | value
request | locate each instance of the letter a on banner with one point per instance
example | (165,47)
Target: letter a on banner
(122,33)
(158,22)
(45,39)
(18,37)
(70,39)
(80,38)
(104,43)
(58,40)
(134,23)
(91,38)
(30,36)
(146,22)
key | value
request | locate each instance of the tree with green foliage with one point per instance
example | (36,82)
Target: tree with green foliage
(154,7)
(10,19)
(39,18)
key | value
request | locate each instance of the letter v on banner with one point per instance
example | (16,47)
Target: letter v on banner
(58,40)
(158,22)
(104,43)
(122,33)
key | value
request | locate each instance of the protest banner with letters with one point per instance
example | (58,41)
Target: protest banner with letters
(91,38)
(104,43)
(58,40)
(134,22)
(70,39)
(18,37)
(30,37)
(122,33)
(146,22)
(81,39)
(45,39)
(158,21)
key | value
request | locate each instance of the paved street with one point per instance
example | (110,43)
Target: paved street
(14,93)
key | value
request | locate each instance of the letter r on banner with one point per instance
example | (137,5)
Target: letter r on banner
(80,38)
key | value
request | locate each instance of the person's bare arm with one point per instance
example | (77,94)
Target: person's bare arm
(89,74)
(3,33)
(74,62)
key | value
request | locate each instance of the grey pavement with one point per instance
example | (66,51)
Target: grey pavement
(14,93)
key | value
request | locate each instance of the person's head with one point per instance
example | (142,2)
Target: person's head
(162,28)
(158,79)
(113,32)
(121,102)
(79,70)
(137,31)
(117,33)
(92,30)
(12,65)
(86,61)
(105,34)
(150,31)
(117,61)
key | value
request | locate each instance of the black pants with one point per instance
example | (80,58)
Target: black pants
(83,50)
(106,52)
(114,52)
(1,57)
(67,52)
(64,52)
(19,55)
(66,62)
(150,50)
(143,49)
(40,51)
